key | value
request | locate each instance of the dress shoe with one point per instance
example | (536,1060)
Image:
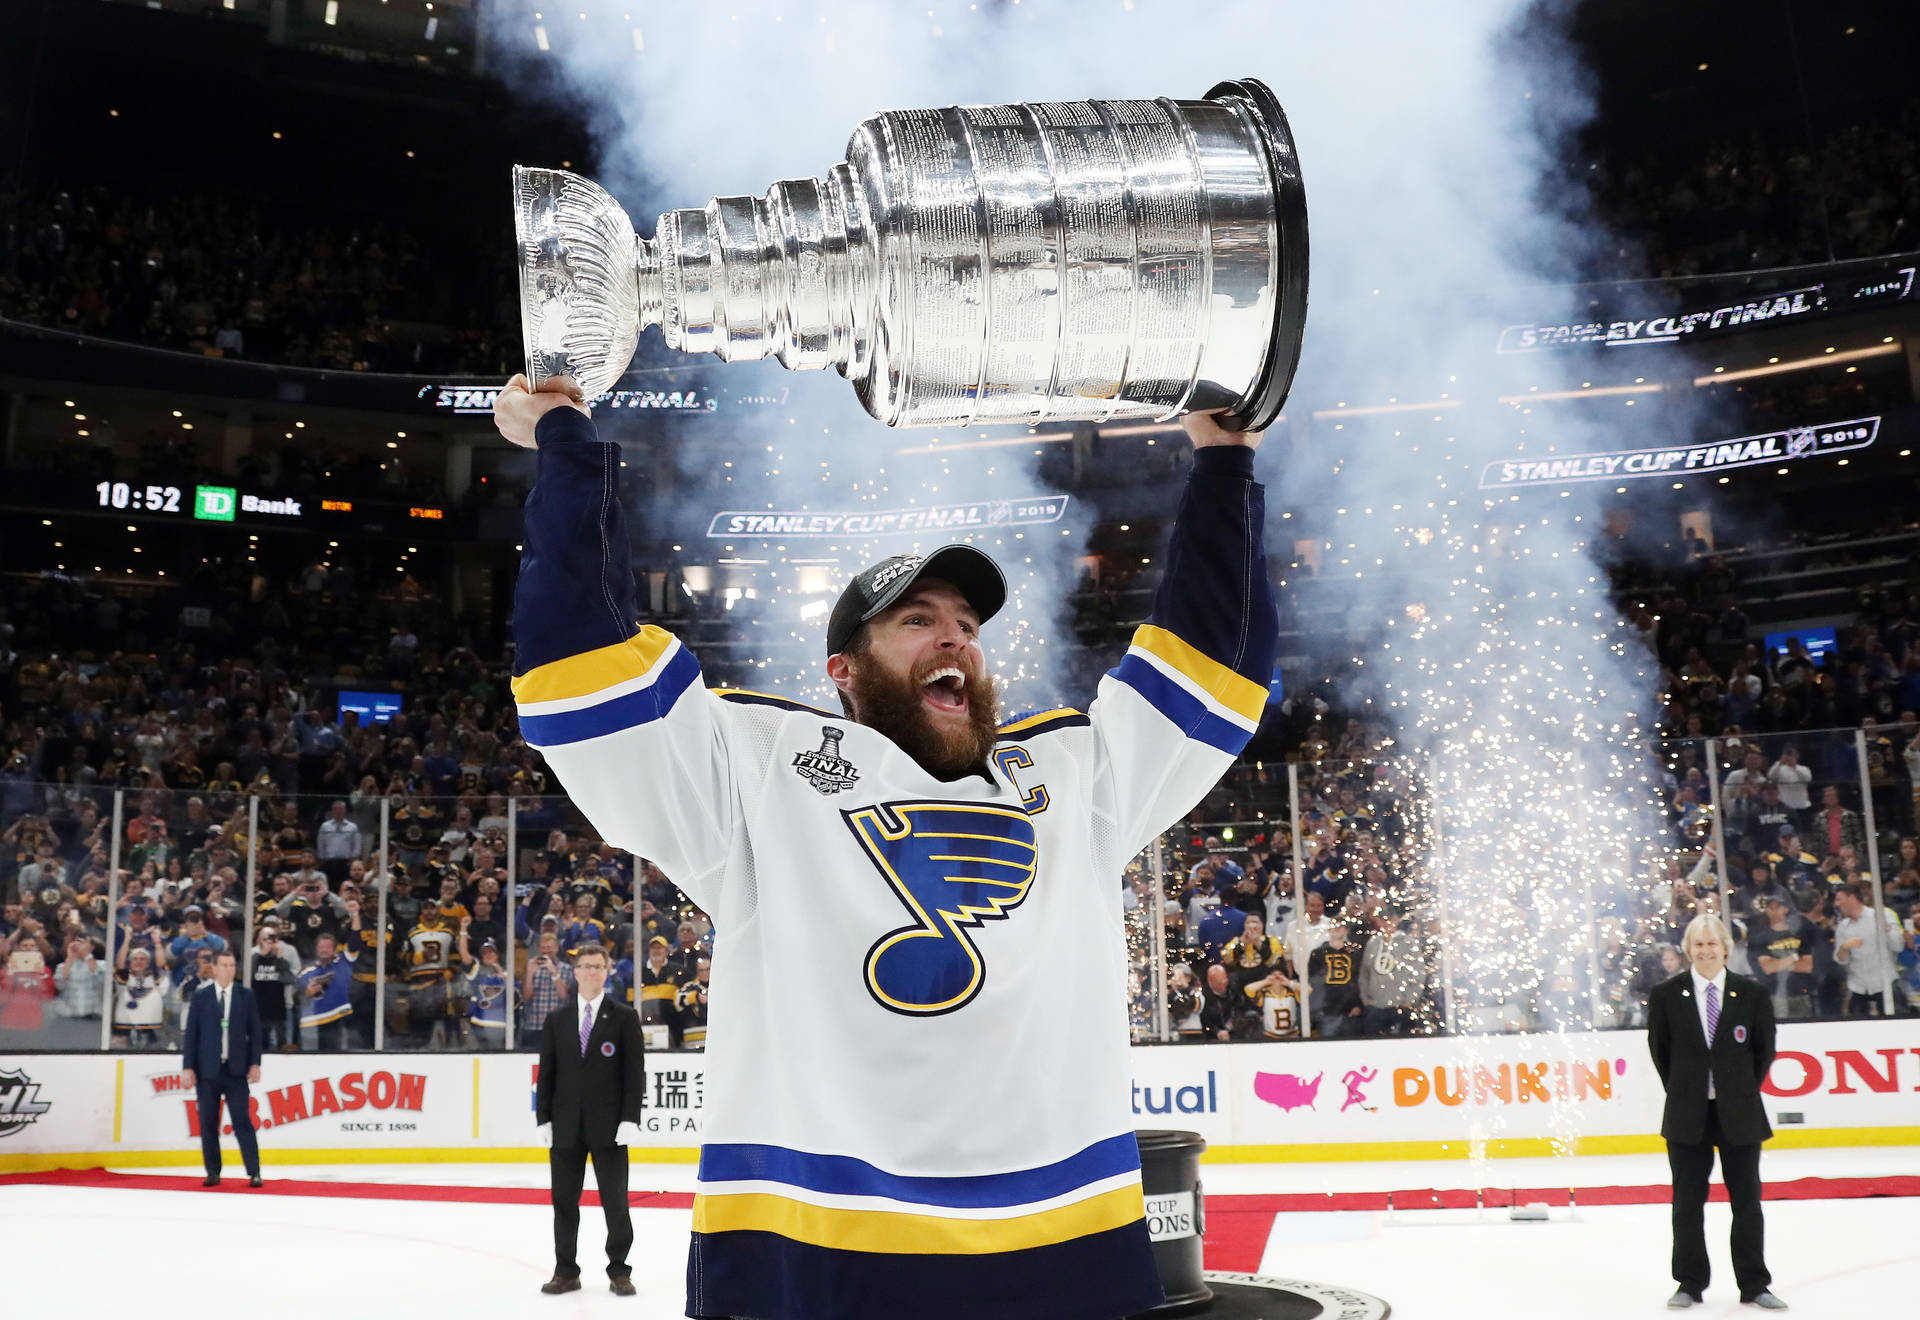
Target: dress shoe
(561,1284)
(622,1285)
(211,1180)
(1766,1301)
(1681,1300)
(254,1181)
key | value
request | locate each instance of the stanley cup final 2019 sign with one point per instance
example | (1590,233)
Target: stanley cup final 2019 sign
(1844,292)
(1794,445)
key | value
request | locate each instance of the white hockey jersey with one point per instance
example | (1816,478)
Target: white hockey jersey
(918,1083)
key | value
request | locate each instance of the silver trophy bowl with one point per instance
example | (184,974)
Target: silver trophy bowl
(1066,261)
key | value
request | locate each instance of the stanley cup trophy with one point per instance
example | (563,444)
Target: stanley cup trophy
(1071,261)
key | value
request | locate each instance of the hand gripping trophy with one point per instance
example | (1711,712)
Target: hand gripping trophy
(1069,261)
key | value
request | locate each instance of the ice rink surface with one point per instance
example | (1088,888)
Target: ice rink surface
(361,1254)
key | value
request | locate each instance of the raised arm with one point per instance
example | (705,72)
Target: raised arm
(618,710)
(1190,692)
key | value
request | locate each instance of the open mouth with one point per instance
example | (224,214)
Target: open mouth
(945,689)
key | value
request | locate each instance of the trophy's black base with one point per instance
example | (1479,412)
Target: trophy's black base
(1254,1297)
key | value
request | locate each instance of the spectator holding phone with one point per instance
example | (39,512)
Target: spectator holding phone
(272,973)
(547,982)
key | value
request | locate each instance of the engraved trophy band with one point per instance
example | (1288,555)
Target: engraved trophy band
(1064,261)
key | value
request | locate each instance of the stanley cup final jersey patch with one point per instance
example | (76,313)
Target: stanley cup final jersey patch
(827,770)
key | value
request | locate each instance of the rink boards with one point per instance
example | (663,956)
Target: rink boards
(1833,1084)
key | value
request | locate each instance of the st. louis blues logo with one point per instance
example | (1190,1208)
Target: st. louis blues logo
(827,770)
(953,866)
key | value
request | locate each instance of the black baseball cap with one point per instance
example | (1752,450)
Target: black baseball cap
(877,587)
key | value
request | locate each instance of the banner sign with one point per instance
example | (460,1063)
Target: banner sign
(1842,293)
(975,516)
(470,399)
(1794,445)
(1449,1090)
(1393,1097)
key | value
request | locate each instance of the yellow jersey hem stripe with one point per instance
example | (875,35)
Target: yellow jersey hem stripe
(910,1234)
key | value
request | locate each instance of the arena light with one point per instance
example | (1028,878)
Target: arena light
(333,13)
(639,42)
(1603,392)
(1828,359)
(1378,409)
(540,37)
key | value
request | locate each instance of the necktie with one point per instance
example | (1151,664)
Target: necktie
(223,1026)
(586,1027)
(1713,1011)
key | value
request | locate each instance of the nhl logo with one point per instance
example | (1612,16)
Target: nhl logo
(1740,1035)
(827,770)
(19,1102)
(1801,441)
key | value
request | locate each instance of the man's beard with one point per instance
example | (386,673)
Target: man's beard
(895,705)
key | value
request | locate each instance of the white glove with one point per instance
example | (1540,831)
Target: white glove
(545,1131)
(627,1134)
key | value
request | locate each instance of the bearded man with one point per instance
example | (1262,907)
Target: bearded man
(918,1093)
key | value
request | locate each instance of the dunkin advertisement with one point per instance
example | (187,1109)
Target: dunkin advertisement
(1427,1098)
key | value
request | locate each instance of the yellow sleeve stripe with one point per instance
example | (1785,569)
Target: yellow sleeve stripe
(1038,717)
(594,671)
(1235,691)
(911,1234)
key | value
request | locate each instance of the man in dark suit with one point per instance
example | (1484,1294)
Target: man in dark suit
(592,1079)
(220,1059)
(1711,1035)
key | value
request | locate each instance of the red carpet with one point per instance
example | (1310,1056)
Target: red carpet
(1237,1226)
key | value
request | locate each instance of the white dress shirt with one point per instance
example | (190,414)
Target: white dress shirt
(1700,984)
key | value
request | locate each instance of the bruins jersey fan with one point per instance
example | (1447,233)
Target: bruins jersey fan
(893,929)
(693,1001)
(1279,1009)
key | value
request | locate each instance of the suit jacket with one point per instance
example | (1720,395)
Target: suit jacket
(587,1098)
(201,1049)
(1741,1054)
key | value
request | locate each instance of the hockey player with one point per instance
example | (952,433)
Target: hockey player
(910,872)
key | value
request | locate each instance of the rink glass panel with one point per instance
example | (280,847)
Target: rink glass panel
(1535,953)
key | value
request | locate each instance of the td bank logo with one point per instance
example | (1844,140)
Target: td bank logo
(214,503)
